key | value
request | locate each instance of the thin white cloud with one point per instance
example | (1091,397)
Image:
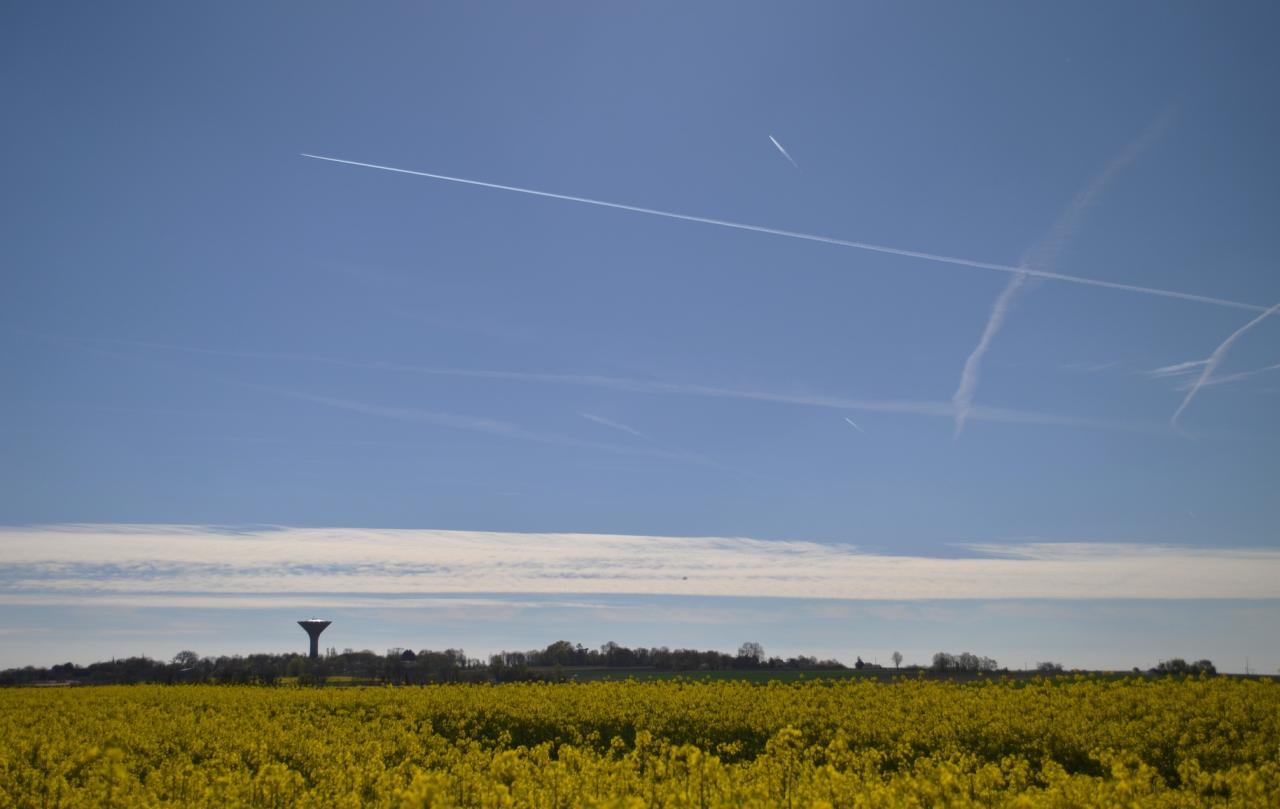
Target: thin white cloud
(791,234)
(411,414)
(1048,251)
(933,409)
(260,601)
(1215,358)
(483,425)
(601,420)
(962,399)
(1044,256)
(313,566)
(912,407)
(1239,376)
(784,151)
(1184,371)
(1089,367)
(1177,369)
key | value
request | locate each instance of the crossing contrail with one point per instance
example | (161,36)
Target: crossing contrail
(784,152)
(809,237)
(1044,254)
(1215,358)
(854,425)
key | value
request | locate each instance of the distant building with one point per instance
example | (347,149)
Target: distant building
(314,627)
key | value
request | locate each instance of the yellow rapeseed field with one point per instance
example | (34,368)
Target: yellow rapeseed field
(1070,742)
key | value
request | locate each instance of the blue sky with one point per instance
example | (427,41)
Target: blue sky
(203,327)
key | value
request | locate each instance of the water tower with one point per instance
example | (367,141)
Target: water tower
(314,627)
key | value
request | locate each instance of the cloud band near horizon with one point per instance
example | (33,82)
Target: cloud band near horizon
(152,564)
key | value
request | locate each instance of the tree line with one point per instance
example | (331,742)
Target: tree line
(556,661)
(564,654)
(399,665)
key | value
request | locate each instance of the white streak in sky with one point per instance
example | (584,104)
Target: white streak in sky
(1178,369)
(962,400)
(1044,255)
(80,564)
(791,234)
(613,424)
(1048,250)
(482,425)
(935,409)
(1215,358)
(1236,377)
(1089,367)
(784,151)
(853,425)
(454,421)
(1187,369)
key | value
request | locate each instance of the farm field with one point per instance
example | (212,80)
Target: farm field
(1073,741)
(593,674)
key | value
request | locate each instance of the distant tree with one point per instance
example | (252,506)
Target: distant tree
(964,661)
(613,654)
(1174,665)
(560,653)
(297,666)
(897,659)
(186,659)
(859,664)
(751,650)
(1177,665)
(1048,667)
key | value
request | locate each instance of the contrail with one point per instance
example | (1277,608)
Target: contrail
(1176,370)
(1215,358)
(1236,377)
(933,409)
(1048,250)
(601,420)
(784,151)
(1188,368)
(854,426)
(962,400)
(454,421)
(809,237)
(1044,254)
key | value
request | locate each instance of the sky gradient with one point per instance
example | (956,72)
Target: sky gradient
(862,344)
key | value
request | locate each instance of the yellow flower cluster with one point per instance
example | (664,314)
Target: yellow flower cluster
(1069,742)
